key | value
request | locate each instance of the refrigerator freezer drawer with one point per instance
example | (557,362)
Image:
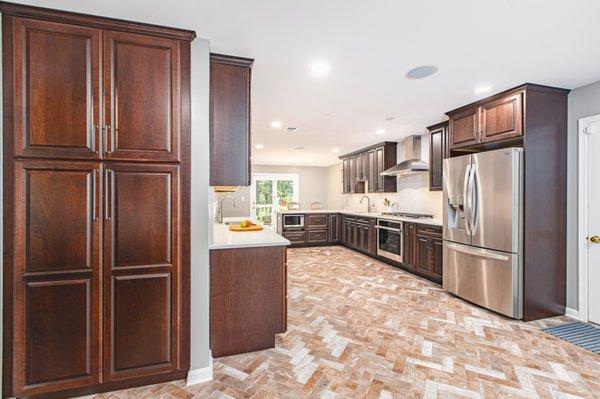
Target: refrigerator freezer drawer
(488,278)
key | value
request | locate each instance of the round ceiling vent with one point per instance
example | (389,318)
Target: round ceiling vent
(421,72)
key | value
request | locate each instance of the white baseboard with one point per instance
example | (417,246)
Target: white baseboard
(572,313)
(199,376)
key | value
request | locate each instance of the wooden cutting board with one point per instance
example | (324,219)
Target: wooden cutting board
(237,227)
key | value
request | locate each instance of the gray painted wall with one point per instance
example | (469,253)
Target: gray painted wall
(583,102)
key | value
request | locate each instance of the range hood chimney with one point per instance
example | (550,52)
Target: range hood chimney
(412,163)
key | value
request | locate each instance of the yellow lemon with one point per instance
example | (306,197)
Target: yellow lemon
(245,223)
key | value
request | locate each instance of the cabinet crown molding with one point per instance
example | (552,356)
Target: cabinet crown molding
(74,18)
(522,87)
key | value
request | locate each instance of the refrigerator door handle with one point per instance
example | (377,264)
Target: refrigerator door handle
(473,205)
(466,202)
(482,253)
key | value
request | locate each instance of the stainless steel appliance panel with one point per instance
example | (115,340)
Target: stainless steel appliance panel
(389,239)
(494,203)
(293,220)
(455,178)
(488,278)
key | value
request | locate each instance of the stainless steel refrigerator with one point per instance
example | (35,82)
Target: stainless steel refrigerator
(483,229)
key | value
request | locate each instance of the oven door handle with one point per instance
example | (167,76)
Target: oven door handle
(389,228)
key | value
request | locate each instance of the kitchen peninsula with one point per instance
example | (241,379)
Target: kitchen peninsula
(248,289)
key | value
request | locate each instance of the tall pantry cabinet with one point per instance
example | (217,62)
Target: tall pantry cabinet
(96,202)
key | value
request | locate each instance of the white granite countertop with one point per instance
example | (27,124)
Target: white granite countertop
(378,215)
(223,238)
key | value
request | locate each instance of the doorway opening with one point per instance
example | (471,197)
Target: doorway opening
(589,219)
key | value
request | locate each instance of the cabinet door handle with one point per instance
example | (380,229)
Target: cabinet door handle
(94,195)
(107,175)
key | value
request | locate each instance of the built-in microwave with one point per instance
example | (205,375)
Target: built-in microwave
(292,220)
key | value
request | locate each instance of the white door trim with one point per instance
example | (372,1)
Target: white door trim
(582,233)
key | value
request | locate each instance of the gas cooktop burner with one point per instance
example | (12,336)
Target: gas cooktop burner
(408,215)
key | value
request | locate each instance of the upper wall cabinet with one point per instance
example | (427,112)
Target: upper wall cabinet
(230,120)
(57,75)
(362,169)
(438,151)
(497,118)
(141,94)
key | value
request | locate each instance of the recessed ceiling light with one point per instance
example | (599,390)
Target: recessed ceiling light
(380,131)
(335,149)
(330,114)
(319,68)
(483,89)
(298,148)
(275,124)
(421,72)
(390,118)
(259,146)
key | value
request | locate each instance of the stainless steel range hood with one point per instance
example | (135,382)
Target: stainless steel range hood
(413,162)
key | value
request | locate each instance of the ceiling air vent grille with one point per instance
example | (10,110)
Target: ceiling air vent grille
(290,129)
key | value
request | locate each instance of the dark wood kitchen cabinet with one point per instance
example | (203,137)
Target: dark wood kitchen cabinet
(56,75)
(428,251)
(141,269)
(248,299)
(230,146)
(409,238)
(494,119)
(141,95)
(334,228)
(363,167)
(57,308)
(438,151)
(96,289)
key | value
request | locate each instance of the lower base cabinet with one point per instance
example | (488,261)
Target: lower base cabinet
(248,299)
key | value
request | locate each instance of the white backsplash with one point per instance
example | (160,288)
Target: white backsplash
(412,195)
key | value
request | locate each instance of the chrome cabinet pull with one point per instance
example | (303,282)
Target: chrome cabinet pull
(94,195)
(107,175)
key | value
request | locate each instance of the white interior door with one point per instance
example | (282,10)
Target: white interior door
(270,192)
(592,132)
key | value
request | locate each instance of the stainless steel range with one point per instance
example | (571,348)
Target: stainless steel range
(389,239)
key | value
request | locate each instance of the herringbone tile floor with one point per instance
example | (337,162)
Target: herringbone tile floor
(359,328)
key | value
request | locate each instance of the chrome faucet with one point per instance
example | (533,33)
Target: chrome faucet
(368,202)
(219,217)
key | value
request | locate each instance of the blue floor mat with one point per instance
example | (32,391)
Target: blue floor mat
(581,334)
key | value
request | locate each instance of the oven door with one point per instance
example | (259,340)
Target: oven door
(389,239)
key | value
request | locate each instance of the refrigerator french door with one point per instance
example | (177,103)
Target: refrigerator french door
(482,229)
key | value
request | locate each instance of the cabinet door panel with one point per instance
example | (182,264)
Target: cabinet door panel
(142,322)
(141,91)
(56,303)
(502,119)
(464,128)
(436,158)
(380,167)
(371,171)
(57,82)
(422,254)
(58,332)
(437,255)
(142,270)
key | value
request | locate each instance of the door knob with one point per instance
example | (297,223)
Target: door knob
(595,239)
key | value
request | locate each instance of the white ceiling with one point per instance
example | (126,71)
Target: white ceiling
(370,45)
